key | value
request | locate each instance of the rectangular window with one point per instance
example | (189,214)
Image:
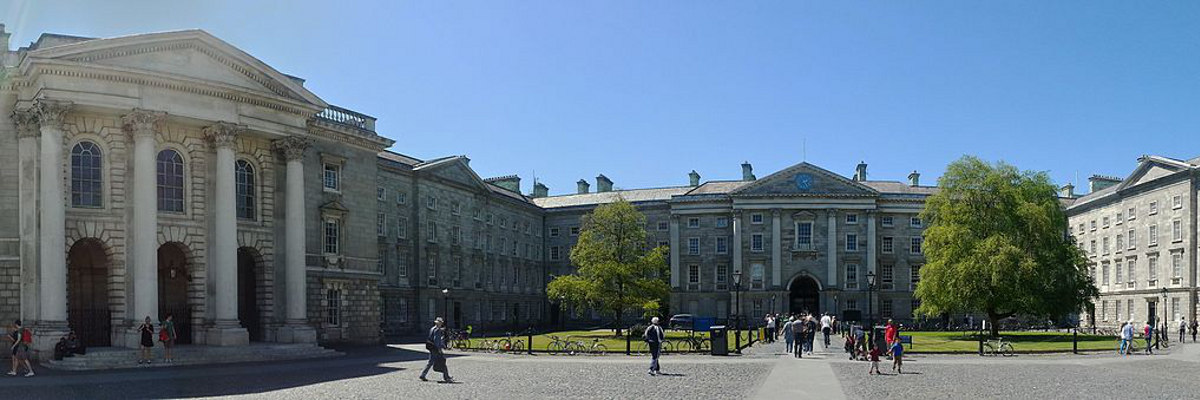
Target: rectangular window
(433,232)
(694,246)
(915,273)
(1092,247)
(851,242)
(693,222)
(756,219)
(914,222)
(381,194)
(381,224)
(851,218)
(886,274)
(851,304)
(332,177)
(381,262)
(756,276)
(1132,235)
(721,273)
(1120,273)
(1129,306)
(851,276)
(1104,274)
(722,245)
(887,245)
(553,232)
(1104,310)
(574,231)
(1104,246)
(804,233)
(1177,230)
(1176,265)
(756,242)
(887,220)
(401,197)
(402,228)
(455,208)
(664,226)
(1131,274)
(1104,221)
(332,236)
(431,202)
(333,307)
(1153,239)
(1153,208)
(1152,275)
(1132,213)
(886,308)
(915,246)
(555,253)
(694,276)
(1177,202)
(1120,243)
(722,222)
(1175,311)
(402,264)
(1092,223)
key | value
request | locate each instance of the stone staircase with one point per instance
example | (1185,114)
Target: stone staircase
(102,358)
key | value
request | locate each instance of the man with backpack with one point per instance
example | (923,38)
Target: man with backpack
(654,337)
(22,339)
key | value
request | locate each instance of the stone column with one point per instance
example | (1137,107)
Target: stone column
(226,330)
(737,242)
(831,249)
(52,322)
(27,172)
(776,251)
(675,245)
(142,126)
(871,257)
(296,329)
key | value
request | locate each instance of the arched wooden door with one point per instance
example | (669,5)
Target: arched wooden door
(805,295)
(173,290)
(88,312)
(248,312)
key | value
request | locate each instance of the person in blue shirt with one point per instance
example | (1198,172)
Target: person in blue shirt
(897,357)
(435,343)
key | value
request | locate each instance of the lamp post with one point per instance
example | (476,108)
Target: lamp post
(773,305)
(870,303)
(1162,330)
(446,305)
(562,311)
(737,298)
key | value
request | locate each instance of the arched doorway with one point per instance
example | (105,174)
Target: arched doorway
(88,313)
(805,295)
(248,312)
(173,289)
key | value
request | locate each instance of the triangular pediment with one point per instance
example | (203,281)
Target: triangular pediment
(806,180)
(454,169)
(1151,168)
(193,55)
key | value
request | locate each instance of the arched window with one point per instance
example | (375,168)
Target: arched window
(87,183)
(170,181)
(245,189)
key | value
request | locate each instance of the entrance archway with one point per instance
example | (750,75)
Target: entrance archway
(248,313)
(805,295)
(88,312)
(173,289)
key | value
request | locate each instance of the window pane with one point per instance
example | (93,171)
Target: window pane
(170,181)
(86,178)
(244,173)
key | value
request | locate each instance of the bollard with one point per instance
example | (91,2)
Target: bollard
(530,336)
(628,338)
(1075,341)
(737,340)
(981,343)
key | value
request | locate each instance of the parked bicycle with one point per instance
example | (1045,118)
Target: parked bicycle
(558,345)
(695,344)
(507,343)
(643,348)
(579,347)
(460,339)
(998,347)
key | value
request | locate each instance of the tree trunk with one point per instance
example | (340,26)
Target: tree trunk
(993,327)
(618,321)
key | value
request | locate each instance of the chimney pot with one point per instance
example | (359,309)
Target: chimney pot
(1068,191)
(582,187)
(860,172)
(603,184)
(914,178)
(540,190)
(747,171)
(694,178)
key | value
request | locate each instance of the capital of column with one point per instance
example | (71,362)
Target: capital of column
(291,148)
(222,134)
(142,123)
(833,212)
(775,212)
(52,113)
(27,123)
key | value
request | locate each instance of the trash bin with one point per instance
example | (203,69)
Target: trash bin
(719,340)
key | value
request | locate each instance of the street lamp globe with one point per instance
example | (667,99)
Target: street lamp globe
(445,292)
(737,278)
(871,278)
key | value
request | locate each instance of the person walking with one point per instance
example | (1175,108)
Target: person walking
(1193,327)
(770,334)
(1126,336)
(22,338)
(1149,333)
(1182,329)
(789,337)
(147,342)
(811,324)
(826,328)
(167,336)
(798,336)
(435,342)
(654,337)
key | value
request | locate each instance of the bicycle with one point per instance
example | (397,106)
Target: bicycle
(579,347)
(460,339)
(558,345)
(998,347)
(643,348)
(695,344)
(508,344)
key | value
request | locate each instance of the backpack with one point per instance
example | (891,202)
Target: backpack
(26,336)
(163,335)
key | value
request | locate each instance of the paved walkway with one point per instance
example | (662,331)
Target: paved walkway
(810,377)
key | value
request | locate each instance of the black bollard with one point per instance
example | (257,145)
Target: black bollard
(1075,341)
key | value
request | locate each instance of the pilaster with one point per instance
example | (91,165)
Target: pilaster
(776,250)
(831,238)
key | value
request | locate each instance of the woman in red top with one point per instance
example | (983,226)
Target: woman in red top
(889,334)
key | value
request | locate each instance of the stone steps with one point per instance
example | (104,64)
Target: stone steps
(116,358)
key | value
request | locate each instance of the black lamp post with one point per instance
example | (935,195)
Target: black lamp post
(562,311)
(870,304)
(773,305)
(446,305)
(1162,330)
(737,298)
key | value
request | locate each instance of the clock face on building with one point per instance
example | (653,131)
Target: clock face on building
(803,181)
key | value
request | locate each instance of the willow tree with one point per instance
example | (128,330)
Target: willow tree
(616,270)
(997,243)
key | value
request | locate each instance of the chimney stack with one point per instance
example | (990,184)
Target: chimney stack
(582,187)
(860,172)
(747,171)
(694,178)
(914,179)
(1067,191)
(540,190)
(1099,182)
(3,43)
(510,183)
(603,184)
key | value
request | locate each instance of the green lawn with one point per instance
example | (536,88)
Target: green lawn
(614,344)
(959,342)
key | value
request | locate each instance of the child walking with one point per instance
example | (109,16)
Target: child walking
(874,361)
(897,357)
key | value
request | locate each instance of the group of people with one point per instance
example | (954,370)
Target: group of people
(1184,327)
(166,335)
(68,346)
(800,331)
(859,347)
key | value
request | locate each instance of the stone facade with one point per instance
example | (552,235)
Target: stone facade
(1139,234)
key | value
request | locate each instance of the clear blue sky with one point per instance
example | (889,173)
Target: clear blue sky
(645,91)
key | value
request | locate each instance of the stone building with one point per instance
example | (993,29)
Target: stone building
(1137,233)
(172,173)
(802,239)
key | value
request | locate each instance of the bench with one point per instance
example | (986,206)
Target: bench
(906,339)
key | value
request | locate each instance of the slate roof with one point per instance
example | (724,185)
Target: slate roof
(632,196)
(896,187)
(400,158)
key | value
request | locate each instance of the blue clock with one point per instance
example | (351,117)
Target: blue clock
(803,181)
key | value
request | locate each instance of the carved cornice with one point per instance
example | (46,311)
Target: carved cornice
(142,123)
(291,148)
(52,113)
(223,134)
(27,123)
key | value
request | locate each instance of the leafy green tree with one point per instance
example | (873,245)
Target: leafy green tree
(616,271)
(997,243)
